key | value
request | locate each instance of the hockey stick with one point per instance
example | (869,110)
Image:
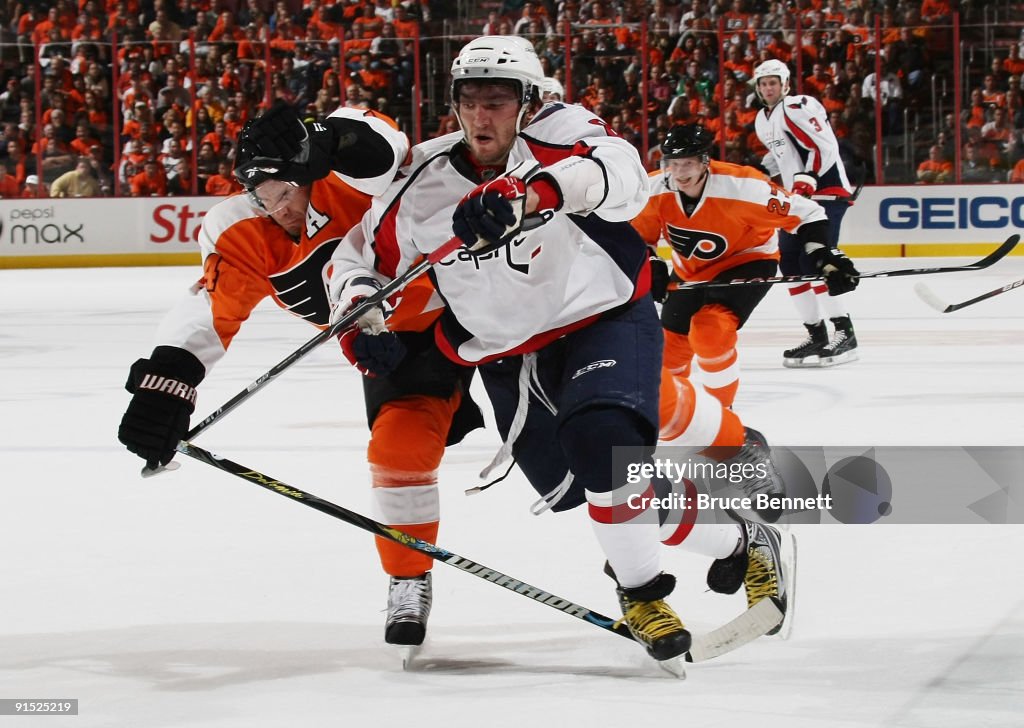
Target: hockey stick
(331,331)
(929,297)
(745,628)
(530,222)
(997,254)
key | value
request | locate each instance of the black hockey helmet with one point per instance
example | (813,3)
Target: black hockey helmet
(688,140)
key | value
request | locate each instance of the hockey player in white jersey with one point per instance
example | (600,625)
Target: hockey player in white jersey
(556,317)
(803,155)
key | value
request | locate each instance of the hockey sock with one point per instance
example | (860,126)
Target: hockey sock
(713,337)
(719,541)
(677,354)
(834,306)
(691,416)
(806,302)
(403,470)
(620,513)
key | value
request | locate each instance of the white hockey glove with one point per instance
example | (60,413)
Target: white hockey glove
(368,344)
(804,184)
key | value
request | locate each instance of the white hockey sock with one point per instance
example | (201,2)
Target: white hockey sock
(805,301)
(717,540)
(633,549)
(833,306)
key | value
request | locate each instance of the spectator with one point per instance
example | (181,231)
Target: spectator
(179,178)
(9,187)
(936,169)
(1013,65)
(991,95)
(206,164)
(79,182)
(101,169)
(222,144)
(1017,173)
(999,130)
(891,98)
(17,163)
(84,139)
(150,182)
(34,188)
(223,183)
(974,168)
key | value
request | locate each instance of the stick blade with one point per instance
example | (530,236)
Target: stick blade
(1001,252)
(753,623)
(927,295)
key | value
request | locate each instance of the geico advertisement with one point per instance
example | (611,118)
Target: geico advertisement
(935,214)
(101,226)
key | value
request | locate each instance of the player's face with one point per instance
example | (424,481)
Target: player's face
(284,203)
(488,113)
(687,174)
(771,89)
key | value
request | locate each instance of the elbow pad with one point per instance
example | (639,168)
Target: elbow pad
(579,181)
(813,235)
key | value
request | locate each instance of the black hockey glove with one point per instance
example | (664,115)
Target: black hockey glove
(491,216)
(841,276)
(660,277)
(163,391)
(279,145)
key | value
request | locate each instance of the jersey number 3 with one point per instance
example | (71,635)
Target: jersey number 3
(698,244)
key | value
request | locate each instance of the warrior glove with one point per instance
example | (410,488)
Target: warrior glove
(163,391)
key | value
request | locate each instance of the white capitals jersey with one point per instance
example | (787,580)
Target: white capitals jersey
(549,281)
(800,140)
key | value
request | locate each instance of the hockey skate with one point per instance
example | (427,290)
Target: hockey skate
(765,567)
(651,621)
(409,601)
(810,352)
(765,480)
(843,346)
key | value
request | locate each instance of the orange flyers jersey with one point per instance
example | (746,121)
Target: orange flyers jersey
(248,257)
(735,221)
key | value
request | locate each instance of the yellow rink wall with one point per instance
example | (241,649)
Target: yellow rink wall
(897,221)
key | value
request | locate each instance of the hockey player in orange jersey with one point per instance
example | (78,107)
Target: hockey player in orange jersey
(721,221)
(306,185)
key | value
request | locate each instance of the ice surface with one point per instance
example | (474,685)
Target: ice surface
(194,599)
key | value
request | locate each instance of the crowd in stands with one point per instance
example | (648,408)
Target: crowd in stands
(147,97)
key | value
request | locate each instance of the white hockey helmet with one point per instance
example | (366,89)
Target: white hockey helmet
(500,57)
(772,67)
(551,88)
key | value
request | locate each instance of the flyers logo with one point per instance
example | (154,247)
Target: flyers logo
(698,244)
(302,289)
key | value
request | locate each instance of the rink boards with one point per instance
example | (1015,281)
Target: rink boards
(890,221)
